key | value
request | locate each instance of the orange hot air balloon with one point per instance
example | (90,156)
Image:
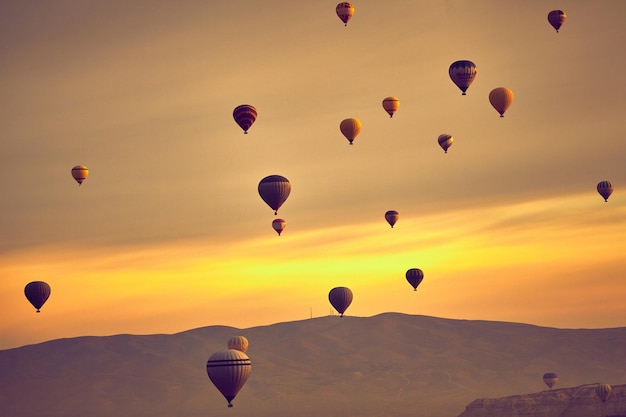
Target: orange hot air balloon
(239,343)
(244,115)
(279,225)
(445,141)
(274,190)
(350,128)
(415,277)
(345,11)
(340,298)
(80,173)
(391,105)
(501,99)
(605,188)
(392,217)
(556,19)
(462,74)
(37,293)
(229,370)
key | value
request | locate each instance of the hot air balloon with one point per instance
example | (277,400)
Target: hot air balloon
(550,379)
(392,217)
(350,128)
(239,343)
(80,173)
(244,115)
(501,98)
(445,141)
(229,370)
(37,293)
(556,19)
(415,277)
(345,11)
(605,188)
(391,105)
(279,225)
(340,298)
(462,74)
(603,391)
(274,190)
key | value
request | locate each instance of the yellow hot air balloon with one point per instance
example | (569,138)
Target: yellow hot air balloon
(445,141)
(239,343)
(350,128)
(501,99)
(345,11)
(80,173)
(391,105)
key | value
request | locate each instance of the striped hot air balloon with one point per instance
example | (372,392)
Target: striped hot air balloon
(274,190)
(462,74)
(340,298)
(229,370)
(603,391)
(37,293)
(239,343)
(414,276)
(391,105)
(445,141)
(80,173)
(245,115)
(605,189)
(345,11)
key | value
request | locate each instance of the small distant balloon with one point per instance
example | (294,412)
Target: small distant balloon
(80,173)
(345,11)
(445,141)
(605,189)
(550,379)
(37,293)
(391,105)
(274,190)
(414,276)
(279,225)
(462,74)
(229,370)
(501,99)
(350,128)
(603,391)
(239,343)
(244,115)
(392,217)
(556,19)
(340,298)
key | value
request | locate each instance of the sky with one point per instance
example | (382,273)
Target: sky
(168,232)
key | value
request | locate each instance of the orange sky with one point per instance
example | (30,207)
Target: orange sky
(168,232)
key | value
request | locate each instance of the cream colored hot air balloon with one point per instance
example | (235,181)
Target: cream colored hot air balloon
(350,128)
(80,173)
(239,343)
(345,11)
(445,141)
(501,99)
(391,105)
(229,370)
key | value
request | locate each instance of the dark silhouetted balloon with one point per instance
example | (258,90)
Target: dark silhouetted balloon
(415,277)
(274,190)
(605,188)
(37,293)
(392,217)
(340,298)
(80,173)
(239,343)
(279,225)
(245,115)
(462,74)
(556,19)
(550,379)
(345,11)
(229,370)
(391,105)
(603,391)
(445,141)
(501,99)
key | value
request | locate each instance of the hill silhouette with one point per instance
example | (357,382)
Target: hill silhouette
(390,364)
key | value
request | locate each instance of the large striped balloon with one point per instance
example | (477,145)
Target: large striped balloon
(245,115)
(229,370)
(340,298)
(462,74)
(605,189)
(37,293)
(274,190)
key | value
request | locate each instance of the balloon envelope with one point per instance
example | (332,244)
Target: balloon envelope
(229,370)
(279,225)
(462,74)
(550,379)
(345,11)
(415,277)
(37,293)
(350,128)
(239,343)
(603,391)
(501,99)
(80,173)
(445,141)
(244,115)
(392,217)
(556,19)
(391,105)
(605,188)
(340,298)
(274,190)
